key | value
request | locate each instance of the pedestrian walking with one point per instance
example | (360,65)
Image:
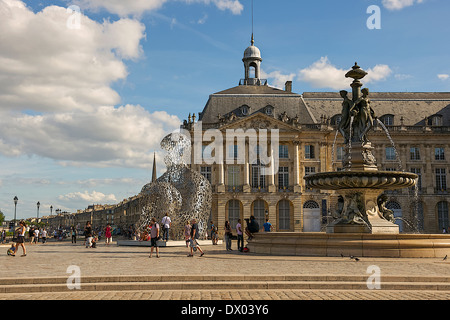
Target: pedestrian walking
(3,236)
(21,238)
(74,235)
(240,236)
(44,236)
(36,236)
(187,232)
(193,241)
(88,235)
(154,233)
(31,235)
(228,235)
(166,222)
(214,234)
(108,234)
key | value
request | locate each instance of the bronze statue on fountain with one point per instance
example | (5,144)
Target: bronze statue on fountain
(360,183)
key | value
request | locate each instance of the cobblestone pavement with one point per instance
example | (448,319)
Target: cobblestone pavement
(236,295)
(53,259)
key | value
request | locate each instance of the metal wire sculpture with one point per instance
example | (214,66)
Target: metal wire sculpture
(180,192)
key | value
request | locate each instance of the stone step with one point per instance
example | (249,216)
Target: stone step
(222,282)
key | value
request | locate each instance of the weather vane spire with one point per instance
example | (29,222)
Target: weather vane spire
(253,40)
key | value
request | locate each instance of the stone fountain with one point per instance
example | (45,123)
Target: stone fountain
(360,184)
(364,227)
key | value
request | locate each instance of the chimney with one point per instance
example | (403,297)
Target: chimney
(288,86)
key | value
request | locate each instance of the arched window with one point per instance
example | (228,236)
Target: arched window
(420,217)
(234,212)
(397,210)
(259,209)
(442,211)
(284,215)
(310,204)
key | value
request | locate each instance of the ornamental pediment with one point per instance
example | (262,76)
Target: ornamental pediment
(259,121)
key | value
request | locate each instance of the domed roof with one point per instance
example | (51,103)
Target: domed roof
(252,52)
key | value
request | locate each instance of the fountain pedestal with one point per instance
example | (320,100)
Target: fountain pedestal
(361,214)
(359,157)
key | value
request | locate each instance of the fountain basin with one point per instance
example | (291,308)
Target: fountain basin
(351,244)
(338,180)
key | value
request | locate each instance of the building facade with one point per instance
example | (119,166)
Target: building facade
(412,133)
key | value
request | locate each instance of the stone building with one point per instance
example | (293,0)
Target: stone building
(418,123)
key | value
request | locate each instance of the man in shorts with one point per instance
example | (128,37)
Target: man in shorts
(193,242)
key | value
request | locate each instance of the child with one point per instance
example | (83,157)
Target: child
(11,251)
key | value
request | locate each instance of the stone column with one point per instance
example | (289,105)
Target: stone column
(221,184)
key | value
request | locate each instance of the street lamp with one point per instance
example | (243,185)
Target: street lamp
(15,209)
(51,210)
(38,204)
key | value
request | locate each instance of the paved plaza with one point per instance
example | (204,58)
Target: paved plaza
(245,273)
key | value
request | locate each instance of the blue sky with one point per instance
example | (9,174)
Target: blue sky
(84,109)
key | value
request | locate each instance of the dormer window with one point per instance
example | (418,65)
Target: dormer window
(388,119)
(435,120)
(269,110)
(245,110)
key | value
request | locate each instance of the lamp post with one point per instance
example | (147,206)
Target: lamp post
(51,210)
(15,209)
(38,204)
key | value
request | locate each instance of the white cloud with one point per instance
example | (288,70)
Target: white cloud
(399,4)
(323,74)
(121,7)
(278,79)
(139,7)
(45,66)
(109,136)
(93,197)
(443,76)
(378,73)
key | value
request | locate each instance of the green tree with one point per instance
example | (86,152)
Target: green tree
(2,217)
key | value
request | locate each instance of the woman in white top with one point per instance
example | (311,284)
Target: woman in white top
(21,238)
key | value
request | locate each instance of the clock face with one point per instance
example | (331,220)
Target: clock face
(269,110)
(244,110)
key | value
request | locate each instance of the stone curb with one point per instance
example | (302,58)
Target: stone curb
(221,282)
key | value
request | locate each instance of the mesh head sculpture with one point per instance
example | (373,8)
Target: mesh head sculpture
(180,192)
